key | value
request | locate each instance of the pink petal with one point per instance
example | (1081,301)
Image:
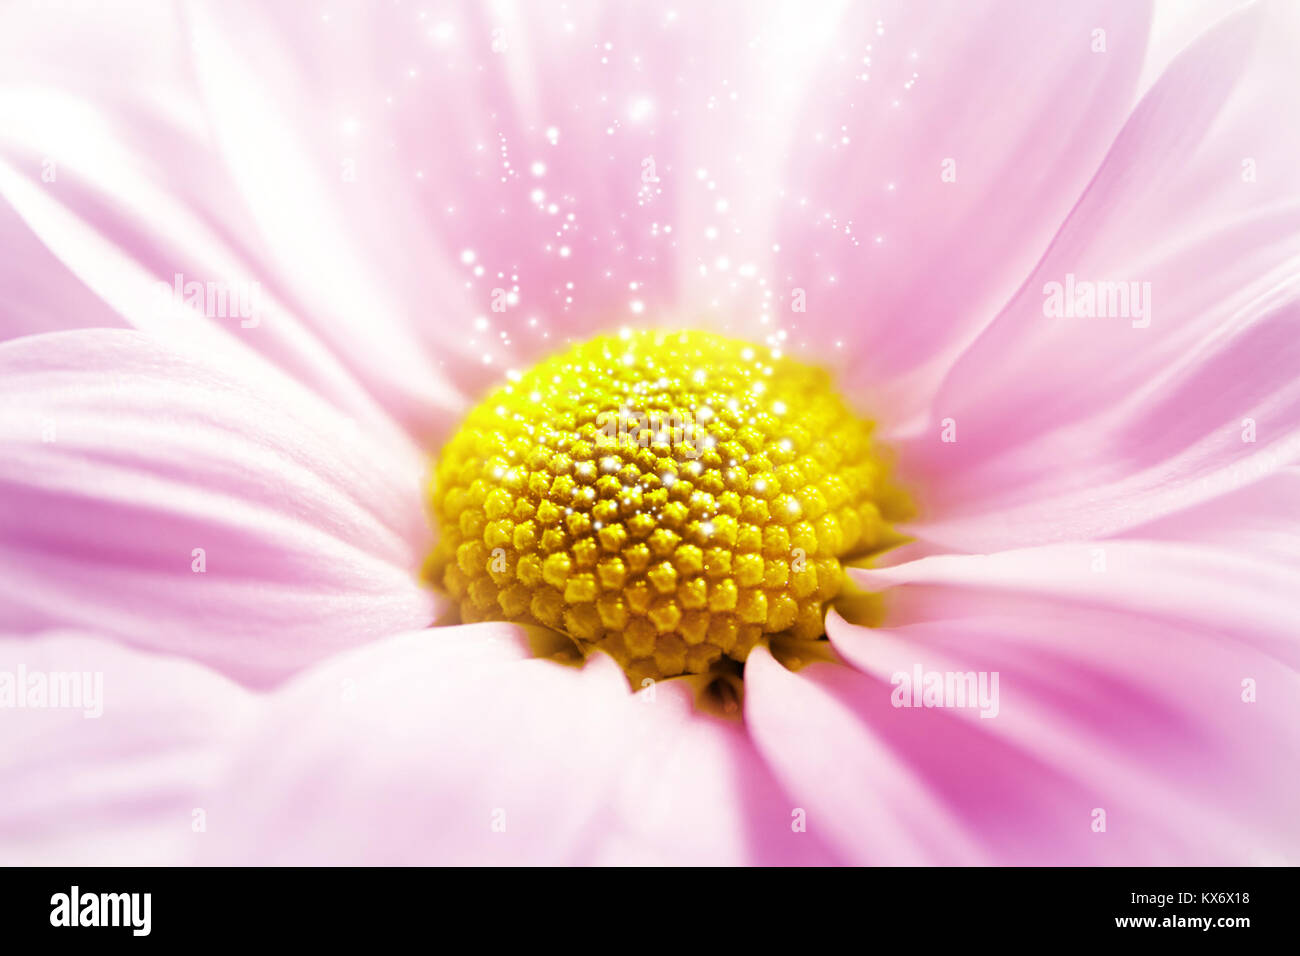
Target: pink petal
(347,160)
(450,127)
(420,136)
(1174,27)
(1260,519)
(1245,597)
(410,750)
(123,787)
(1070,428)
(1123,666)
(1098,708)
(116,173)
(350,162)
(541,151)
(899,261)
(399,752)
(123,456)
(857,795)
(693,767)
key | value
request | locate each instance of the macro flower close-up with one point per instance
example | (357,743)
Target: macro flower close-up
(712,433)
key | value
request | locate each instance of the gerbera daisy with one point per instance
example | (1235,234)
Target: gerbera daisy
(723,433)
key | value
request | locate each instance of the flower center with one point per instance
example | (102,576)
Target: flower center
(672,499)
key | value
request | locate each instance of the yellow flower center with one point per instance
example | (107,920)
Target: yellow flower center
(670,498)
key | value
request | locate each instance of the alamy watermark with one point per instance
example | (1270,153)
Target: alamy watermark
(955,689)
(678,430)
(1106,299)
(130,910)
(213,299)
(53,690)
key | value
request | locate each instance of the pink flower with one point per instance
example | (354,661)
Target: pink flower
(250,256)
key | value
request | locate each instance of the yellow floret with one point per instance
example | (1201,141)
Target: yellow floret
(671,498)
